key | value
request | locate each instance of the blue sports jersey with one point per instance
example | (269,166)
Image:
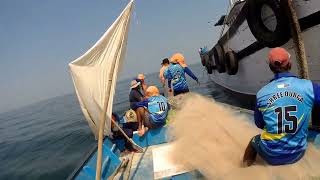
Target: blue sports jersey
(175,74)
(283,111)
(158,108)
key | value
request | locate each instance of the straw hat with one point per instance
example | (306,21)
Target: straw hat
(131,116)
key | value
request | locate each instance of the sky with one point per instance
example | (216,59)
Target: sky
(38,38)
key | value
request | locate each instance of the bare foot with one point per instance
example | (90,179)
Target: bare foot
(141,132)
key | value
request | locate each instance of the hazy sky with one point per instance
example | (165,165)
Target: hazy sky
(38,38)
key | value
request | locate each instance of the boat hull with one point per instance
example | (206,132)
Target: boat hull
(253,70)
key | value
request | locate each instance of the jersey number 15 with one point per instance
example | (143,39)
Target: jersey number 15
(293,120)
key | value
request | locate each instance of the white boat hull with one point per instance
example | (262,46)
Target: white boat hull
(253,72)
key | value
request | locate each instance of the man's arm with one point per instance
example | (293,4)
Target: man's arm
(258,118)
(190,73)
(168,76)
(143,103)
(316,91)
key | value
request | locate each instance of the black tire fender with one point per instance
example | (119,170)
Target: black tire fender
(219,59)
(282,32)
(232,63)
(203,59)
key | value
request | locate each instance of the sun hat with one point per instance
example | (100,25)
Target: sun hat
(134,84)
(279,57)
(152,91)
(178,58)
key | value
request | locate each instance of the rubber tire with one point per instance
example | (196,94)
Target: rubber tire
(209,67)
(203,60)
(282,33)
(218,54)
(232,63)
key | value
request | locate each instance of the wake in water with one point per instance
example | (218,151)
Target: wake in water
(212,138)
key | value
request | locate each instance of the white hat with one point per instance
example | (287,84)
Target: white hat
(134,84)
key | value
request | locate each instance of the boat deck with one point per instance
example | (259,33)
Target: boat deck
(155,164)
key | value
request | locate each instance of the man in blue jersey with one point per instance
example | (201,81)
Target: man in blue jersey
(153,111)
(283,111)
(175,74)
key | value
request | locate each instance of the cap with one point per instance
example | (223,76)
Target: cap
(279,57)
(165,61)
(152,91)
(178,58)
(140,76)
(134,84)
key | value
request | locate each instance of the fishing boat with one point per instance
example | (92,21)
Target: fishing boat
(94,76)
(251,27)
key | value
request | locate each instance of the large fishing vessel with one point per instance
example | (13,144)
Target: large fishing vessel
(238,59)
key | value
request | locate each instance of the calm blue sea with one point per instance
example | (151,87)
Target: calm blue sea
(47,140)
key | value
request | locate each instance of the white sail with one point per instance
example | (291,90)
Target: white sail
(91,73)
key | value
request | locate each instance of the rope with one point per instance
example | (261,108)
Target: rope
(297,38)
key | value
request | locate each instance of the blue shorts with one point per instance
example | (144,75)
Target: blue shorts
(149,122)
(177,92)
(274,160)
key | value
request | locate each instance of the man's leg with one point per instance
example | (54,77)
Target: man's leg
(141,114)
(250,153)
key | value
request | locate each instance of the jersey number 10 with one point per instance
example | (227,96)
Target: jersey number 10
(162,106)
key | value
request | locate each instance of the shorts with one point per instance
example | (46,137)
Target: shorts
(148,122)
(175,92)
(274,160)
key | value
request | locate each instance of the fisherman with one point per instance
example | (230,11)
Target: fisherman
(117,135)
(164,65)
(136,94)
(175,74)
(140,78)
(152,112)
(283,110)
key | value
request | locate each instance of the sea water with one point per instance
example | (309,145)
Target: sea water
(49,139)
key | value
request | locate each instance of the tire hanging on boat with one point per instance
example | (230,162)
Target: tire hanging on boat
(209,62)
(232,63)
(269,38)
(219,59)
(203,59)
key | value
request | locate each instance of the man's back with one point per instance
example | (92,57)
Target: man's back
(158,108)
(285,104)
(135,96)
(175,73)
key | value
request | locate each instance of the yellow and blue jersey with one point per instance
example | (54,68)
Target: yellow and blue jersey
(158,108)
(283,111)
